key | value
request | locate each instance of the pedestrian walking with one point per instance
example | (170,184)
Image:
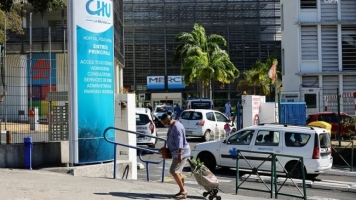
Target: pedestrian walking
(179,149)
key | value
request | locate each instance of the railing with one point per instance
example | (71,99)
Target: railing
(141,149)
(272,157)
(337,153)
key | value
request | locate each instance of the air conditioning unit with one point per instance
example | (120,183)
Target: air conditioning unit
(290,97)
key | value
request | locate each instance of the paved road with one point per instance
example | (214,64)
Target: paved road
(325,186)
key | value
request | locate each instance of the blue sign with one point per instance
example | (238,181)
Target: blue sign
(176,82)
(95,79)
(155,82)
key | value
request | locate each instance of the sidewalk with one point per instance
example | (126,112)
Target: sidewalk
(43,185)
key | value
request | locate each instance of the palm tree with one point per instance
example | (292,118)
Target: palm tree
(202,59)
(258,75)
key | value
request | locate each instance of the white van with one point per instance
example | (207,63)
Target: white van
(311,143)
(201,103)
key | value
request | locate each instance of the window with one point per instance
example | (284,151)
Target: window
(309,40)
(296,139)
(348,47)
(210,116)
(142,119)
(201,105)
(191,115)
(267,138)
(307,4)
(310,100)
(330,118)
(220,117)
(324,139)
(241,138)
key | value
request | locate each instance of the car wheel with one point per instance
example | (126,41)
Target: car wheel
(206,136)
(297,170)
(208,159)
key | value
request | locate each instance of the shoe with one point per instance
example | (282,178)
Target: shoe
(180,195)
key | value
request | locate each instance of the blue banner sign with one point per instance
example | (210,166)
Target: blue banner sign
(94,51)
(158,83)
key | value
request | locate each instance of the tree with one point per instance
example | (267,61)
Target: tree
(41,6)
(11,12)
(203,59)
(257,78)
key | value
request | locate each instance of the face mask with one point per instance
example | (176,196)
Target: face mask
(166,125)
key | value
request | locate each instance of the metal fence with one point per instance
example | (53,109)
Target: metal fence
(323,100)
(25,83)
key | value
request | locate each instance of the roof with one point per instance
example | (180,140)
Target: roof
(288,126)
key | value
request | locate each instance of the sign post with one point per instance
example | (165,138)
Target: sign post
(91,87)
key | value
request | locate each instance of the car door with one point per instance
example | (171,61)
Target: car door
(266,141)
(220,121)
(228,149)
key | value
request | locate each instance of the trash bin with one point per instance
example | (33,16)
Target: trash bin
(28,152)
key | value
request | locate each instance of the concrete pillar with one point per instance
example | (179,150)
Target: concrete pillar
(125,116)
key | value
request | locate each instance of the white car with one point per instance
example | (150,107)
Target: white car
(311,143)
(145,124)
(159,111)
(204,123)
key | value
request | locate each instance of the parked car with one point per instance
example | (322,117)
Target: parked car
(204,123)
(347,123)
(159,111)
(311,143)
(145,124)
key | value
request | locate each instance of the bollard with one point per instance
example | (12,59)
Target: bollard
(8,137)
(28,152)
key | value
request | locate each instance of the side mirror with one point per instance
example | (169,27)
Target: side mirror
(224,142)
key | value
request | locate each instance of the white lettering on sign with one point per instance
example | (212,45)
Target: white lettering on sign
(155,79)
(176,79)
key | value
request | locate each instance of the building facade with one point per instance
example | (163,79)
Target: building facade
(319,53)
(250,27)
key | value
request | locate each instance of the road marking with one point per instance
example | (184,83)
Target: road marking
(321,198)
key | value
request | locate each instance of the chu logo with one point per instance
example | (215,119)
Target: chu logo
(102,9)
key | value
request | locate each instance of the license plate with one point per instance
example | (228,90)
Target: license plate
(140,139)
(189,132)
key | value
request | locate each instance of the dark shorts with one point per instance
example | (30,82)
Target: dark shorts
(176,167)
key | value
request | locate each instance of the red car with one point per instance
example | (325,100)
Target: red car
(347,123)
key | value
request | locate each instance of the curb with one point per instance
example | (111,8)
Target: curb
(326,184)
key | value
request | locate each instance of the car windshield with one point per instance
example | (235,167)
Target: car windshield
(142,119)
(191,115)
(163,109)
(201,105)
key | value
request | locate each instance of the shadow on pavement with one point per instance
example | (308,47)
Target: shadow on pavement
(145,196)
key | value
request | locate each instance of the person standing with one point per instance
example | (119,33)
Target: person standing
(177,111)
(180,150)
(228,109)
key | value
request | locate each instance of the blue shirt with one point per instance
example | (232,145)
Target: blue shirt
(176,140)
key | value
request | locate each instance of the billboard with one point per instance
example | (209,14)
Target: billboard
(158,82)
(92,80)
